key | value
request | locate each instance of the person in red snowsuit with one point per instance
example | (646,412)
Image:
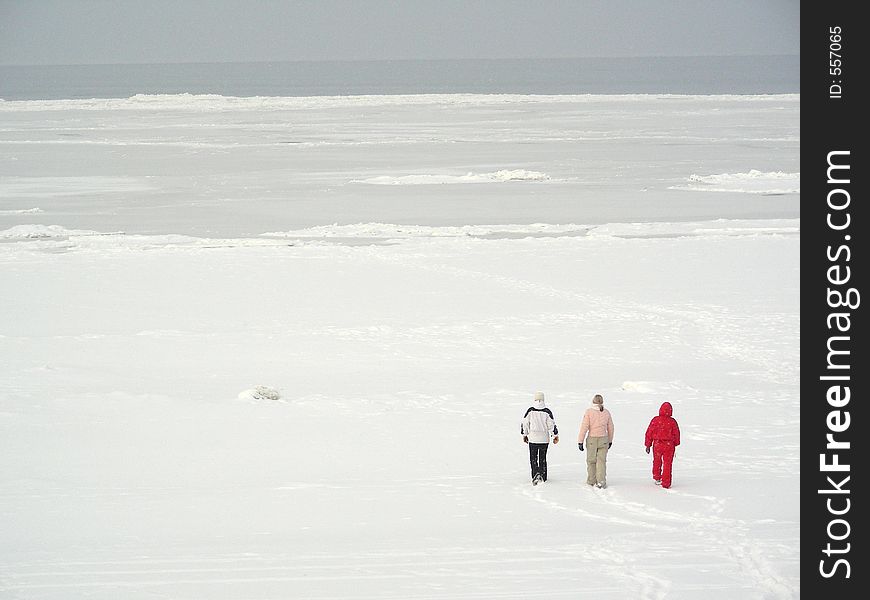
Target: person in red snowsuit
(663,434)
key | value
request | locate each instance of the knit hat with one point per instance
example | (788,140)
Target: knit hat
(539,396)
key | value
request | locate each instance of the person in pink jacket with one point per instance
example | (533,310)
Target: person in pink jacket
(663,434)
(598,423)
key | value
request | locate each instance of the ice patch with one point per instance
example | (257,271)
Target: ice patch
(218,103)
(653,387)
(21,211)
(392,231)
(428,179)
(260,392)
(753,182)
(373,232)
(46,187)
(41,232)
(641,387)
(719,227)
(54,237)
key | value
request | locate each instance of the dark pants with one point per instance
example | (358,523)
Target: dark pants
(538,459)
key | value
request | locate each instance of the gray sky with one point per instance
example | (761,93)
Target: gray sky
(156,31)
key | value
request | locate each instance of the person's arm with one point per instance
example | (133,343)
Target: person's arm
(647,439)
(584,427)
(524,427)
(676,433)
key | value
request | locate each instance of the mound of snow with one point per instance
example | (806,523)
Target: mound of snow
(511,175)
(260,392)
(217,103)
(389,230)
(653,387)
(21,211)
(753,182)
(719,227)
(40,232)
(641,387)
(428,179)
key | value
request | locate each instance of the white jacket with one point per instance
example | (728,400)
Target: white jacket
(539,424)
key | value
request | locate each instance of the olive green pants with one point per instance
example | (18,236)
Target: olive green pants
(596,459)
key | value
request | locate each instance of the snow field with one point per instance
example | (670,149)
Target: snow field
(391,464)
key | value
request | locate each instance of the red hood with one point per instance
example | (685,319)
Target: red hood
(666,410)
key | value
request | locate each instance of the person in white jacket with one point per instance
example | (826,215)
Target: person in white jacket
(598,423)
(537,428)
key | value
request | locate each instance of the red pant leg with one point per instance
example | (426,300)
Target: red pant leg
(657,462)
(667,458)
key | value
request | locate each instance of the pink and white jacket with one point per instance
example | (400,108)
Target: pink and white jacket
(597,423)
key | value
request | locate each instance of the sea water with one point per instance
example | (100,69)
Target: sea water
(605,75)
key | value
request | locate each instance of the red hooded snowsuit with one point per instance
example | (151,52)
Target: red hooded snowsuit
(663,434)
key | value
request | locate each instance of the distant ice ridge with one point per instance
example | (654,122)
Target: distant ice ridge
(753,182)
(213,102)
(392,231)
(52,237)
(48,237)
(494,177)
(41,187)
(719,227)
(730,227)
(21,211)
(41,232)
(43,237)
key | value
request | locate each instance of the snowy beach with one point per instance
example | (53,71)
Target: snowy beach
(400,274)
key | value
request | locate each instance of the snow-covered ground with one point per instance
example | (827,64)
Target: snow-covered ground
(309,404)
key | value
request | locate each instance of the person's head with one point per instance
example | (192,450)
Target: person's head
(666,410)
(539,399)
(598,401)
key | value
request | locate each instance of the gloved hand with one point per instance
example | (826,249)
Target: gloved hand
(609,444)
(556,439)
(526,440)
(580,445)
(647,449)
